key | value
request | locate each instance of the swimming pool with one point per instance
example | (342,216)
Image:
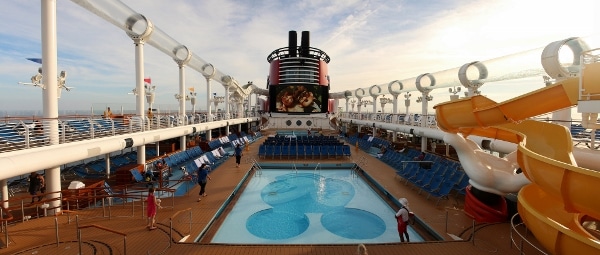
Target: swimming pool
(309,207)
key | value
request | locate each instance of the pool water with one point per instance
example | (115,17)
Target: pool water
(309,207)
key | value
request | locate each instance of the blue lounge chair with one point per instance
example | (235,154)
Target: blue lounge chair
(262,151)
(330,151)
(269,149)
(442,191)
(346,149)
(301,151)
(309,151)
(277,151)
(293,152)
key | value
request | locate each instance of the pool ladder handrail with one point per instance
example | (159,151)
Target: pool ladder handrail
(354,170)
(258,170)
(317,167)
(295,168)
(362,162)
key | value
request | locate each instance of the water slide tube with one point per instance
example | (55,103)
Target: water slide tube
(557,206)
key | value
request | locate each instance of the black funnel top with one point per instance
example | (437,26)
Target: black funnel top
(305,44)
(293,43)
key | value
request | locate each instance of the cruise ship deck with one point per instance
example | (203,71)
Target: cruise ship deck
(530,157)
(107,230)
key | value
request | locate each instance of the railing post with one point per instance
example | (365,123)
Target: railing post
(142,201)
(103,209)
(78,233)
(23,210)
(5,226)
(109,210)
(170,231)
(133,209)
(446,221)
(473,233)
(56,227)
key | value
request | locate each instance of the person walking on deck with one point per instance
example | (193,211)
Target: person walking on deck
(36,182)
(203,178)
(238,155)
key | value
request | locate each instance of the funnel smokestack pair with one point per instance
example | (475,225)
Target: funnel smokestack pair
(304,44)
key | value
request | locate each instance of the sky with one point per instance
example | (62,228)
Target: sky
(369,42)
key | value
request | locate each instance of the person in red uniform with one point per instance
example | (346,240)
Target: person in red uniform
(402,218)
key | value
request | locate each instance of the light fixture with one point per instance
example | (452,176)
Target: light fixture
(36,81)
(181,97)
(454,92)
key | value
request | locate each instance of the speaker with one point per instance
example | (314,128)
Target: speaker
(128,142)
(486,144)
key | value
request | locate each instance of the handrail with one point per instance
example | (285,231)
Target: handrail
(171,224)
(414,161)
(295,168)
(4,221)
(102,228)
(523,238)
(258,168)
(178,212)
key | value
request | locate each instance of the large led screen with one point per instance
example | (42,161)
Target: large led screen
(299,98)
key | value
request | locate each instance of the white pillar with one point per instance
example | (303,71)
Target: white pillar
(209,117)
(562,117)
(347,104)
(248,106)
(182,113)
(374,104)
(4,189)
(107,164)
(50,94)
(139,102)
(424,105)
(256,103)
(227,108)
(208,98)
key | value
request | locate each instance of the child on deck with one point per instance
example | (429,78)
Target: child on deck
(153,204)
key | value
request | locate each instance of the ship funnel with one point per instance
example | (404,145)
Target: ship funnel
(305,44)
(293,43)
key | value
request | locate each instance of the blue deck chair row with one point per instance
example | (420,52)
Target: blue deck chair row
(302,151)
(439,181)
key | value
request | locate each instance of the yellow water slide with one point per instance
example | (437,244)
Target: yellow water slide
(560,206)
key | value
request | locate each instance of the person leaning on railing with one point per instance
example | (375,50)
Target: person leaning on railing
(150,114)
(108,113)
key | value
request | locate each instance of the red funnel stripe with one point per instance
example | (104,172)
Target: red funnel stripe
(481,212)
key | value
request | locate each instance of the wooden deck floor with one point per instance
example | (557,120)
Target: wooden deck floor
(188,217)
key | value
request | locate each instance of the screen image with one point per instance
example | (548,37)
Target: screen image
(299,98)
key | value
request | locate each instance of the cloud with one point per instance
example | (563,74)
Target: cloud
(369,42)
